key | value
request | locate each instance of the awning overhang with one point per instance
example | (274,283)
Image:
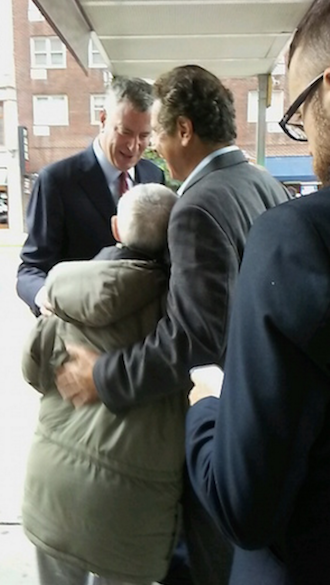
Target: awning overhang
(232,38)
(294,169)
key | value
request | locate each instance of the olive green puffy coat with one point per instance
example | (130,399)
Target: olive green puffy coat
(103,490)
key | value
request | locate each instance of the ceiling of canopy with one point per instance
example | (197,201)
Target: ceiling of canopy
(231,38)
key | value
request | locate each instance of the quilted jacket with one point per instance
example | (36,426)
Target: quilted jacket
(102,490)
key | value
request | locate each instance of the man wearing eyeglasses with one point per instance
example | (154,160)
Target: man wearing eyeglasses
(259,457)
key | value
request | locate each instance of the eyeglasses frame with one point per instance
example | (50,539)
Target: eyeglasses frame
(296,104)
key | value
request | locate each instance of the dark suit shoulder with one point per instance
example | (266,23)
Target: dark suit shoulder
(149,172)
(262,175)
(240,185)
(70,165)
(311,211)
(145,163)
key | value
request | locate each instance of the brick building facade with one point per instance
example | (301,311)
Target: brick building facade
(58,102)
(49,139)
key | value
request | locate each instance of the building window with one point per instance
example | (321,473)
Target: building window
(48,53)
(273,114)
(34,13)
(95,58)
(50,110)
(97,105)
(2,128)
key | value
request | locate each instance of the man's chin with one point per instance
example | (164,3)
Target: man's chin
(322,170)
(125,163)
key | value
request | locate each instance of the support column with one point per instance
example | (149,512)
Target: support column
(261,125)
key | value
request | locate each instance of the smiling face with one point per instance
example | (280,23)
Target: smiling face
(314,113)
(167,145)
(125,135)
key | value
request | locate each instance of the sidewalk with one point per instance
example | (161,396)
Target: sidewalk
(16,557)
(18,412)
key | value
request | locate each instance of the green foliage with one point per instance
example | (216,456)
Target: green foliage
(153,155)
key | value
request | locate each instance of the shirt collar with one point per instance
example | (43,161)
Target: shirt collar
(111,173)
(203,164)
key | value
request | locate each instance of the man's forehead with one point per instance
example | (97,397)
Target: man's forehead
(126,112)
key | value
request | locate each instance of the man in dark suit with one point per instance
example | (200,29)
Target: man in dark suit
(194,129)
(259,457)
(73,200)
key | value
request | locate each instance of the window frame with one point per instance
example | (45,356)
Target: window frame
(94,120)
(48,52)
(49,121)
(93,50)
(252,116)
(34,14)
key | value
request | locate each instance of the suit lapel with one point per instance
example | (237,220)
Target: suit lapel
(222,161)
(93,182)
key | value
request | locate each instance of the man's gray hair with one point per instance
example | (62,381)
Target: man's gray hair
(143,215)
(133,89)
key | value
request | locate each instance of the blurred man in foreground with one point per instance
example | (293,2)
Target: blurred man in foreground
(259,457)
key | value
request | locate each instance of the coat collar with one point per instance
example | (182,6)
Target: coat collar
(222,161)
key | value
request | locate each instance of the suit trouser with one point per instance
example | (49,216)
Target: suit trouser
(57,572)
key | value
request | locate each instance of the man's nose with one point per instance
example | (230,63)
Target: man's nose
(133,143)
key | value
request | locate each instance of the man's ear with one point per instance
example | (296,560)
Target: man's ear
(103,117)
(326,91)
(114,228)
(185,129)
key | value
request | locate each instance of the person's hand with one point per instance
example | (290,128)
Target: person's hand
(74,379)
(42,301)
(207,382)
(46,309)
